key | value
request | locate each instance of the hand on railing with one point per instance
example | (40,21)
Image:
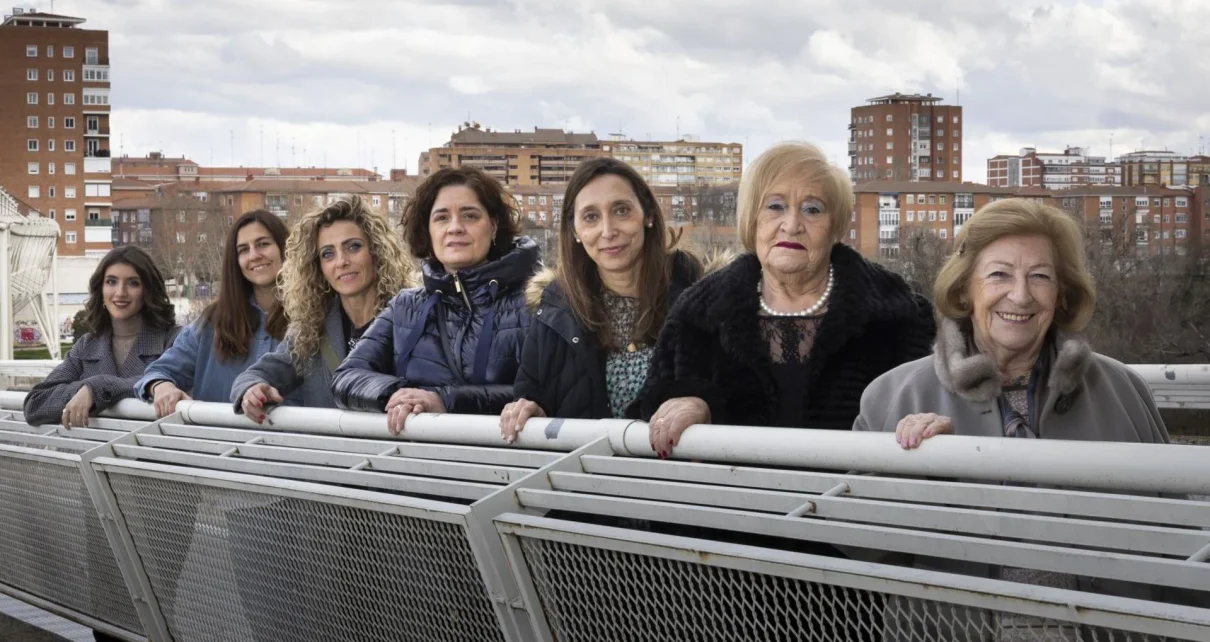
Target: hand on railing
(912,430)
(410,401)
(165,396)
(255,400)
(75,413)
(514,416)
(672,418)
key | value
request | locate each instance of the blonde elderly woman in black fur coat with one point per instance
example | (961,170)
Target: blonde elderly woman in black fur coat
(1007,361)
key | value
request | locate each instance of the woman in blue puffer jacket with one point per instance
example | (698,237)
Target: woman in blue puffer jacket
(454,344)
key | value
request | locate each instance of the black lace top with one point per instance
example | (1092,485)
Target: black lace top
(790,340)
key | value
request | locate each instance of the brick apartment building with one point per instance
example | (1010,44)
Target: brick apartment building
(1074,168)
(1159,219)
(54,110)
(887,209)
(155,168)
(904,137)
(1071,168)
(549,156)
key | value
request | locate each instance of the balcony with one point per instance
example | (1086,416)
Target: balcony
(95,73)
(99,222)
(99,130)
(97,165)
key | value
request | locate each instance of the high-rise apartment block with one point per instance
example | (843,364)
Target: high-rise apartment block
(54,112)
(904,137)
(549,156)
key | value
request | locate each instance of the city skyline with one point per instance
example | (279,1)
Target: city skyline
(205,81)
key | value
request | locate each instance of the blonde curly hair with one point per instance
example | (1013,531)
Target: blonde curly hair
(305,293)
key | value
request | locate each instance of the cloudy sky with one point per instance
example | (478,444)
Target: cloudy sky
(371,83)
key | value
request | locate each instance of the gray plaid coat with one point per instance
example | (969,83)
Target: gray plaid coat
(91,363)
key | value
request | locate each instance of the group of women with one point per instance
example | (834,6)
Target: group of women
(797,331)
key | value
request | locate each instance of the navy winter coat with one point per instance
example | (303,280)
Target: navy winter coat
(459,336)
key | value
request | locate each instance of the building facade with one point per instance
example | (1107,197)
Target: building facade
(1071,168)
(157,168)
(54,110)
(904,137)
(1159,220)
(546,157)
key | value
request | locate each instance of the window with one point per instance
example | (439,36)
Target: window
(1140,201)
(31,145)
(1182,218)
(933,215)
(932,199)
(69,52)
(944,233)
(31,122)
(890,160)
(71,238)
(50,122)
(911,199)
(890,145)
(852,234)
(1181,201)
(1180,234)
(50,99)
(911,216)
(50,144)
(941,200)
(69,122)
(940,147)
(955,146)
(70,99)
(1167,218)
(955,120)
(31,98)
(31,51)
(69,169)
(69,75)
(1157,218)
(96,75)
(229,200)
(50,51)
(51,214)
(533,199)
(180,217)
(1155,202)
(542,201)
(69,145)
(890,132)
(33,168)
(941,173)
(941,215)
(51,192)
(50,168)
(31,74)
(1167,202)
(888,118)
(50,74)
(940,120)
(69,215)
(69,192)
(91,56)
(34,192)
(955,160)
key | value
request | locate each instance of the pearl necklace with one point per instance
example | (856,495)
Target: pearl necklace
(809,312)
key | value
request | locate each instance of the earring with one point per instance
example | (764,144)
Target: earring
(649,223)
(577,239)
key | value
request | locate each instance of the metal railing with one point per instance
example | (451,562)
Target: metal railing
(321,526)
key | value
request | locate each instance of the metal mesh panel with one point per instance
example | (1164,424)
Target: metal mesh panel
(56,548)
(234,565)
(591,594)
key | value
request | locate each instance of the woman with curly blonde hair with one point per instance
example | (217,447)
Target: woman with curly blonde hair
(343,264)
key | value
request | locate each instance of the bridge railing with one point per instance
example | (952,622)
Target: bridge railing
(321,526)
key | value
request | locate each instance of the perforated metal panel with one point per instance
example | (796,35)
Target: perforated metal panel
(236,565)
(591,594)
(56,548)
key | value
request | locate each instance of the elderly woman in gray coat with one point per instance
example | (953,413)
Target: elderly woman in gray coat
(343,264)
(1008,361)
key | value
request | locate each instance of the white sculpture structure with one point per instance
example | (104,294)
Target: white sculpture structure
(28,254)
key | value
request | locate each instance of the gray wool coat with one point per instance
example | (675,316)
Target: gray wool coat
(90,363)
(314,388)
(1083,396)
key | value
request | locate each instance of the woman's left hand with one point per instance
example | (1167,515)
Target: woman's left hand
(75,413)
(912,430)
(410,401)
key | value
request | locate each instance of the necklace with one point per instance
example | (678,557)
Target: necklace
(811,311)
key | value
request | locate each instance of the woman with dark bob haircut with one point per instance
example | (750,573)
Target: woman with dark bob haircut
(453,344)
(130,323)
(600,310)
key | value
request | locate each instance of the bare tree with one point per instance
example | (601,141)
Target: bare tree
(187,241)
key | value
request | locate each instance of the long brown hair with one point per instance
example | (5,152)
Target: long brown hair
(578,274)
(232,314)
(157,310)
(491,195)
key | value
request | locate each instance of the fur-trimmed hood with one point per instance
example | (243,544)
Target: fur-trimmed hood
(966,372)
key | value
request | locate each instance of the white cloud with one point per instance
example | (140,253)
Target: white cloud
(189,75)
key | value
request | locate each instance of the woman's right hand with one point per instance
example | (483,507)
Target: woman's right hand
(514,416)
(164,396)
(912,430)
(672,418)
(255,400)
